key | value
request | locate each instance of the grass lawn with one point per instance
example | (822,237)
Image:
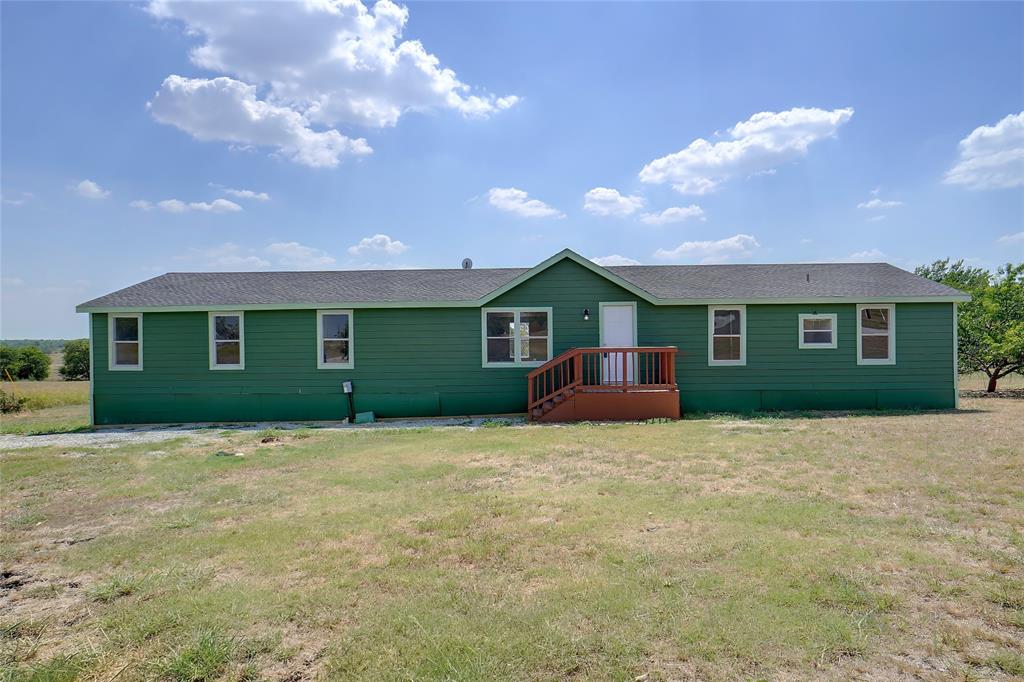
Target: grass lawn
(52,407)
(826,546)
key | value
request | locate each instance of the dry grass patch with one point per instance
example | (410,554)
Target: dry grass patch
(800,547)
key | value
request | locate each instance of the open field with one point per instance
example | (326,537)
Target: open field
(53,406)
(830,546)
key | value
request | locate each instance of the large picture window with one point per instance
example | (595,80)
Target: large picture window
(727,335)
(334,339)
(125,336)
(817,331)
(227,341)
(876,334)
(516,336)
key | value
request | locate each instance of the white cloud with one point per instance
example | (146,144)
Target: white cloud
(676,214)
(867,256)
(90,190)
(1015,238)
(12,282)
(517,201)
(179,206)
(15,198)
(615,259)
(378,244)
(141,204)
(759,144)
(328,63)
(876,203)
(295,256)
(226,256)
(278,256)
(247,194)
(227,110)
(991,157)
(603,201)
(731,248)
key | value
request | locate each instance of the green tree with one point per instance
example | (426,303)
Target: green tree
(956,275)
(9,363)
(991,326)
(33,364)
(76,360)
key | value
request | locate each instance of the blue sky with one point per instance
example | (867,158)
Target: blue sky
(140,139)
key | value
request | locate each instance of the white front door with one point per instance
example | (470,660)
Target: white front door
(618,329)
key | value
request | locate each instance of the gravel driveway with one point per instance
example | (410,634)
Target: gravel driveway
(112,437)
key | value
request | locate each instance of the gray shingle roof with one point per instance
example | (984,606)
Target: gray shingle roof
(795,280)
(689,282)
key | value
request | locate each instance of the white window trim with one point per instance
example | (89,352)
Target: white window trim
(516,311)
(803,345)
(891,360)
(320,364)
(110,344)
(241,339)
(711,336)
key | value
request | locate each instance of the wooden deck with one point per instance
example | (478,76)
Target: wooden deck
(605,384)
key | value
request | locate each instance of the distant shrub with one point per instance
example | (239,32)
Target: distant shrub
(35,364)
(76,360)
(26,362)
(10,403)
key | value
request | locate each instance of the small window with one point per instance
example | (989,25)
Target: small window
(125,333)
(727,335)
(876,335)
(334,339)
(516,336)
(227,341)
(817,331)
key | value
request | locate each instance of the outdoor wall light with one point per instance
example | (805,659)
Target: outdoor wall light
(586,314)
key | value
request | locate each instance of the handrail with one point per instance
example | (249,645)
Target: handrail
(602,369)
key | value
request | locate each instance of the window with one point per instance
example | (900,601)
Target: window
(125,335)
(727,335)
(334,339)
(227,341)
(516,336)
(876,335)
(817,331)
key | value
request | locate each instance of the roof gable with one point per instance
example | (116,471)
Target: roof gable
(569,254)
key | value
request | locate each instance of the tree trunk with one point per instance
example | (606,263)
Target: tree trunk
(992,384)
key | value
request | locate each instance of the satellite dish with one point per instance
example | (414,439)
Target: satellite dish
(467,263)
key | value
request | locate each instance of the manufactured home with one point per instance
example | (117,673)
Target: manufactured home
(566,339)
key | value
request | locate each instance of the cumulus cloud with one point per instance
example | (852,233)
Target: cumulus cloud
(378,244)
(866,256)
(141,204)
(615,259)
(296,256)
(991,157)
(517,201)
(15,198)
(723,250)
(676,214)
(603,201)
(224,109)
(759,144)
(1015,238)
(876,203)
(242,193)
(230,256)
(227,256)
(90,190)
(215,206)
(328,62)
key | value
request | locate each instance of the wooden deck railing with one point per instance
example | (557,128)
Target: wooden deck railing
(624,369)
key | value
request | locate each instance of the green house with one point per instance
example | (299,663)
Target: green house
(262,346)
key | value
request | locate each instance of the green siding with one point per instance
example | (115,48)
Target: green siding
(427,361)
